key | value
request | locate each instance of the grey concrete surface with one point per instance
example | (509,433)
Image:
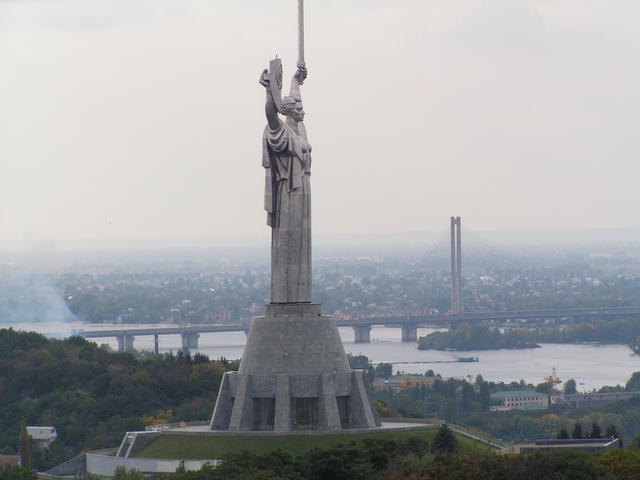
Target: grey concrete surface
(105,465)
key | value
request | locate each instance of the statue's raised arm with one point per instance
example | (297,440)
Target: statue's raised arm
(271,109)
(297,80)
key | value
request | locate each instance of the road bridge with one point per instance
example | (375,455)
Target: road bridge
(362,326)
(189,334)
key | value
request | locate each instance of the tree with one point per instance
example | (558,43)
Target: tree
(448,408)
(444,441)
(17,473)
(78,383)
(635,443)
(577,431)
(468,396)
(25,446)
(384,370)
(562,434)
(543,387)
(484,396)
(633,384)
(623,463)
(612,432)
(595,431)
(361,362)
(570,387)
(122,473)
(200,358)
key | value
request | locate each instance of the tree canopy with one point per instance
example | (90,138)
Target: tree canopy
(72,383)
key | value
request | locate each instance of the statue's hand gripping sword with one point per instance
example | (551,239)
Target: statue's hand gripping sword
(301,65)
(273,77)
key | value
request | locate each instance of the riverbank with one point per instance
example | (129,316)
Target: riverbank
(591,365)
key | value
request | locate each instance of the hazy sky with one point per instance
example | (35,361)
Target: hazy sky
(143,118)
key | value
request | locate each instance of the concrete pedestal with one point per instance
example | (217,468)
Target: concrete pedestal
(409,333)
(362,333)
(294,375)
(189,341)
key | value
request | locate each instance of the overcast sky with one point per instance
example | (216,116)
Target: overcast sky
(143,118)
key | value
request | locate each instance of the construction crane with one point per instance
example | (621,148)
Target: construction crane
(552,380)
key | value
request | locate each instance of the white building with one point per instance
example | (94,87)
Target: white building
(44,436)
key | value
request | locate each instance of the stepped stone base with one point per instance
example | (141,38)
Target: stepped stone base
(294,375)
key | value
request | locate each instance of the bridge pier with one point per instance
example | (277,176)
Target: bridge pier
(189,341)
(125,342)
(409,333)
(362,333)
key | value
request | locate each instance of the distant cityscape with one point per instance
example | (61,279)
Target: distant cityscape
(223,290)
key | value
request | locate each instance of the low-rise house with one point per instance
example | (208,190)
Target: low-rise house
(43,436)
(9,461)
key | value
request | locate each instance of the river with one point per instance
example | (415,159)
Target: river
(592,366)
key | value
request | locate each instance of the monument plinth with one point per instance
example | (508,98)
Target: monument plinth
(294,373)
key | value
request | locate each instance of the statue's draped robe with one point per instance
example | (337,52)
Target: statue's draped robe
(286,158)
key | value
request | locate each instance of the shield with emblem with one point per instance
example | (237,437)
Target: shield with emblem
(275,81)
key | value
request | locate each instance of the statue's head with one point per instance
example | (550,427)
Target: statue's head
(292,107)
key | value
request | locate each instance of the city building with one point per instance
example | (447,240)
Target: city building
(397,383)
(593,400)
(520,400)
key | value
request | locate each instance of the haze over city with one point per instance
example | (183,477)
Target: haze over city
(141,120)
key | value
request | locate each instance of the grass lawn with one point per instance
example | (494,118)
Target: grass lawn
(188,447)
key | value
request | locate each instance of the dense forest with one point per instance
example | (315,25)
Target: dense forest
(477,337)
(390,463)
(467,403)
(461,402)
(93,395)
(387,460)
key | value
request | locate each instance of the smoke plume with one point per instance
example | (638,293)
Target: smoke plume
(31,298)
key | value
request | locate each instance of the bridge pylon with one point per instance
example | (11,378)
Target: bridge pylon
(362,333)
(125,342)
(189,341)
(456,265)
(409,333)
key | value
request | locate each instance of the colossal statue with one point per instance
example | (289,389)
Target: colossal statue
(286,157)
